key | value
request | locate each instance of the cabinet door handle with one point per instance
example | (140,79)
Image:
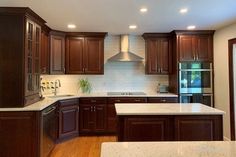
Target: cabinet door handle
(94,108)
(137,100)
(91,108)
(93,101)
(197,56)
(64,69)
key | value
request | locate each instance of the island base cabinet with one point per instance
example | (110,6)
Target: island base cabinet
(147,129)
(198,128)
(170,128)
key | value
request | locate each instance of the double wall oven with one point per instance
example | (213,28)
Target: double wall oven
(196,82)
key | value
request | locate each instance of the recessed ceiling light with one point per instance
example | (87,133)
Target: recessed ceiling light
(132,27)
(183,11)
(143,10)
(191,27)
(71,26)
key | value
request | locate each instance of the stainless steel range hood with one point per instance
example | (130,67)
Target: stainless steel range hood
(125,55)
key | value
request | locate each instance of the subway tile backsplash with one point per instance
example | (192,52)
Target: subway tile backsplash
(118,76)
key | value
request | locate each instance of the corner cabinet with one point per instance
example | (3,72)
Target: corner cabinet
(195,45)
(20,38)
(68,118)
(85,53)
(158,53)
(57,52)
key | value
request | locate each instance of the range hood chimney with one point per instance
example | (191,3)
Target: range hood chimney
(125,55)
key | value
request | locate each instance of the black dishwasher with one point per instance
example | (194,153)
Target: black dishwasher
(49,130)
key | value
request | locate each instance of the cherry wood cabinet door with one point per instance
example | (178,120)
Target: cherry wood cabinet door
(19,134)
(86,118)
(164,58)
(94,55)
(44,64)
(100,118)
(186,48)
(111,118)
(204,48)
(74,55)
(152,56)
(198,128)
(68,118)
(57,54)
(147,129)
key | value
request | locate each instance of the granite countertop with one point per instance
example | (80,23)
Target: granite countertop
(38,106)
(165,109)
(169,149)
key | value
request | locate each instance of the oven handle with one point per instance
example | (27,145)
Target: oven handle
(48,112)
(195,70)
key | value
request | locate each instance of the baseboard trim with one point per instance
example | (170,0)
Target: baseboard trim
(226,139)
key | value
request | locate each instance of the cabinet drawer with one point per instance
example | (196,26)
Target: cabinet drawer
(163,100)
(68,102)
(93,100)
(127,100)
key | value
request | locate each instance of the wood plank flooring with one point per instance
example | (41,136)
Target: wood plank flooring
(81,146)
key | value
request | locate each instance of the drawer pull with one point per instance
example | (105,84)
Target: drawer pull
(163,100)
(93,101)
(117,100)
(137,100)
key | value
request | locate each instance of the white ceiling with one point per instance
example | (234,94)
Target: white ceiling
(114,16)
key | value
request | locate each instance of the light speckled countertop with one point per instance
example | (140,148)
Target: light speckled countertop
(38,106)
(169,149)
(165,109)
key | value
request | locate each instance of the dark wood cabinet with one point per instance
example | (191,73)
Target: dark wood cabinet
(74,55)
(20,38)
(111,111)
(57,52)
(93,115)
(20,134)
(158,53)
(45,50)
(68,118)
(85,55)
(170,128)
(195,46)
(147,129)
(198,128)
(162,100)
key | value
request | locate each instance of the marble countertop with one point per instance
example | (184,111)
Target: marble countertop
(169,149)
(165,109)
(38,106)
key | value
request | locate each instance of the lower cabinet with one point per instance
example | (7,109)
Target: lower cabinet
(93,115)
(171,128)
(146,129)
(20,134)
(111,110)
(163,100)
(68,118)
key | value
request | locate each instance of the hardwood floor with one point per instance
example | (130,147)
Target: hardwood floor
(81,146)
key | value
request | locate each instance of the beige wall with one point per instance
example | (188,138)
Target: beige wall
(221,38)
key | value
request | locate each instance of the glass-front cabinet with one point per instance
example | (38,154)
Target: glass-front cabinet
(32,60)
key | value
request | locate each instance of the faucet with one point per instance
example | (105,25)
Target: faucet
(55,86)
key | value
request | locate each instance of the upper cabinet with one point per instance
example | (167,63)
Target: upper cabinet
(85,53)
(195,45)
(57,52)
(20,38)
(45,50)
(158,53)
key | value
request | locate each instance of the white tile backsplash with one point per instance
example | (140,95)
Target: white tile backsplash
(118,76)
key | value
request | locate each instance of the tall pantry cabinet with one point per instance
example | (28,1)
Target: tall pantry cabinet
(20,44)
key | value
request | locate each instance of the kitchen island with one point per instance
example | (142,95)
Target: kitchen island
(169,122)
(170,149)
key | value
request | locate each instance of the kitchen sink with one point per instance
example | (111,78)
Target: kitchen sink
(60,96)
